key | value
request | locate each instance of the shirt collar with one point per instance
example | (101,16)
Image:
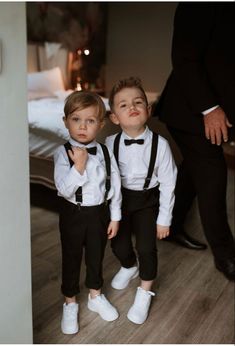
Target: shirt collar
(81,145)
(143,135)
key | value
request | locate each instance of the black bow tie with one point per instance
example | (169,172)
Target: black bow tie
(92,150)
(132,141)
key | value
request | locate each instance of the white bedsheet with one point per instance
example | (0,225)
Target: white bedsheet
(43,145)
(46,116)
(46,126)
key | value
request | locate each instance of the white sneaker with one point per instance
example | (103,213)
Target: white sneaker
(103,307)
(69,322)
(138,312)
(123,277)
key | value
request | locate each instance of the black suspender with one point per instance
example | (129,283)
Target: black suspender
(152,160)
(152,157)
(108,171)
(78,193)
(68,147)
(116,146)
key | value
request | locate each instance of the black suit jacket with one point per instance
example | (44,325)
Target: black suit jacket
(203,62)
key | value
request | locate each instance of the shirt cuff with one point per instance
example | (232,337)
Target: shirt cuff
(115,214)
(209,110)
(164,220)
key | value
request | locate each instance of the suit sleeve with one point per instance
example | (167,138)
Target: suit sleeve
(193,26)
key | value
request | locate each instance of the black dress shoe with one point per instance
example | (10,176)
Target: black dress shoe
(227,267)
(185,240)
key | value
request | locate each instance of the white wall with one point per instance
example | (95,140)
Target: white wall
(139,42)
(15,254)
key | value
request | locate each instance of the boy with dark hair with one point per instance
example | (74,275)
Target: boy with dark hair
(148,174)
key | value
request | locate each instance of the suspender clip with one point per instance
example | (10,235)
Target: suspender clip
(106,199)
(146,183)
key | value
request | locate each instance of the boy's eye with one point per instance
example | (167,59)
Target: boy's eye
(139,102)
(90,121)
(123,105)
(75,119)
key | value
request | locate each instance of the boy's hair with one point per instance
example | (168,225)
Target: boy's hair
(79,100)
(131,82)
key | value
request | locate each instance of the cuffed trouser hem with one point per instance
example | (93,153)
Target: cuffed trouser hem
(148,278)
(70,293)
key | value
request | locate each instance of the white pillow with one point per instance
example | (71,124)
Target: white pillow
(46,82)
(37,95)
(62,94)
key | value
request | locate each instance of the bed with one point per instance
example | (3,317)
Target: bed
(49,83)
(49,79)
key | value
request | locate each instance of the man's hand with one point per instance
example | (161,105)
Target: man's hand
(162,231)
(216,126)
(79,156)
(112,229)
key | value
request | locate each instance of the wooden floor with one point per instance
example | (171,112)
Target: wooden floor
(194,302)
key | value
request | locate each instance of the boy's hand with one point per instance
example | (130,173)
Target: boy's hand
(79,156)
(162,231)
(112,229)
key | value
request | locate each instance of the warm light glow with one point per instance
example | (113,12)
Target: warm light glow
(86,51)
(79,87)
(79,52)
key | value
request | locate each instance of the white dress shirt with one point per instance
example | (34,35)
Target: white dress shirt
(134,163)
(68,179)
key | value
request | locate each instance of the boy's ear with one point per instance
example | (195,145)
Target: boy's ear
(149,110)
(65,122)
(114,118)
(102,123)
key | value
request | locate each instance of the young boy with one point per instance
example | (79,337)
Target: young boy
(88,181)
(148,174)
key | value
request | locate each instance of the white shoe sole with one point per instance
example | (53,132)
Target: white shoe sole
(122,287)
(133,320)
(69,332)
(104,318)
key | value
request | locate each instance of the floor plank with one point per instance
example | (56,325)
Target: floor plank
(194,302)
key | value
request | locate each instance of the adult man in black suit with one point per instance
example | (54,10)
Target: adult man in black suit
(197,104)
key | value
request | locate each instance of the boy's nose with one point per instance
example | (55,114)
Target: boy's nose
(82,125)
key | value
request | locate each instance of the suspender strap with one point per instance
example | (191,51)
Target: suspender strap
(152,157)
(78,193)
(152,160)
(116,146)
(108,170)
(68,147)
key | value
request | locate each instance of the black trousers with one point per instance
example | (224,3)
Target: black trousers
(139,214)
(203,173)
(82,229)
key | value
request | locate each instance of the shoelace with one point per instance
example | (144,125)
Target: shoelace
(149,292)
(70,312)
(102,300)
(145,298)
